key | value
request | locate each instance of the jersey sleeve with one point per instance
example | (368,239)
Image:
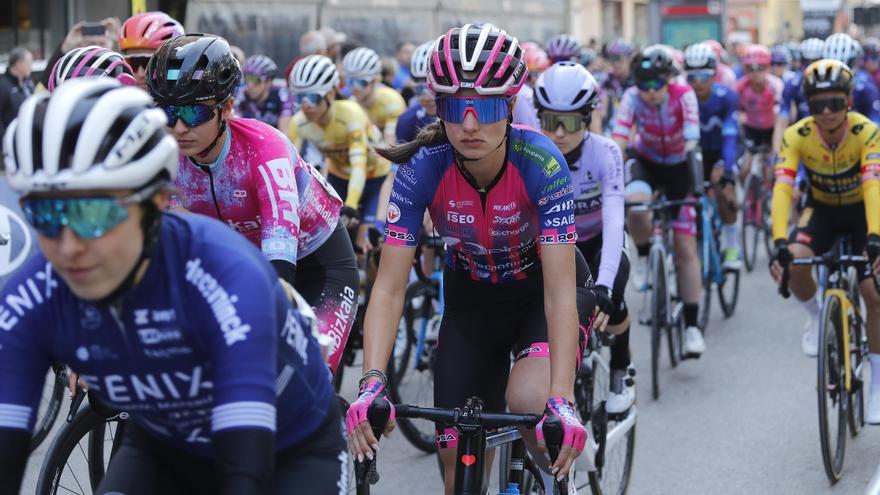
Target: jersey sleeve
(239,329)
(25,304)
(409,199)
(729,131)
(393,108)
(286,101)
(785,171)
(788,93)
(690,108)
(870,171)
(869,101)
(293,130)
(357,129)
(612,213)
(622,122)
(278,197)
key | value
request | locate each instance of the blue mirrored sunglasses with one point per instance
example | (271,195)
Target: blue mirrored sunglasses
(88,217)
(358,83)
(700,75)
(310,99)
(651,84)
(486,109)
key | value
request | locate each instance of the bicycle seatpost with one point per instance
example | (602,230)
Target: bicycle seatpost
(553,436)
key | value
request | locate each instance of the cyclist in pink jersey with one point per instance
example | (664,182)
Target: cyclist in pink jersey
(248,174)
(760,99)
(665,120)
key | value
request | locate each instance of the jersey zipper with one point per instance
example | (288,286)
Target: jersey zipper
(115,313)
(208,171)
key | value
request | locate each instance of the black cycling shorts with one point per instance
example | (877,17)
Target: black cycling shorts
(820,224)
(484,324)
(146,465)
(757,139)
(592,251)
(328,279)
(676,181)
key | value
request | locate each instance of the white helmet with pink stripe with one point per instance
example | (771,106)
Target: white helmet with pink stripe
(481,57)
(91,61)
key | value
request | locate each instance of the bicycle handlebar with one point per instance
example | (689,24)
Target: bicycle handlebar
(457,417)
(660,204)
(829,258)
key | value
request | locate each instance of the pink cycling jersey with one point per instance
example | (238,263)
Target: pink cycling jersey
(661,130)
(760,105)
(726,76)
(262,188)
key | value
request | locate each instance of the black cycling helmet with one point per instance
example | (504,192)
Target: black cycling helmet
(652,62)
(192,68)
(827,75)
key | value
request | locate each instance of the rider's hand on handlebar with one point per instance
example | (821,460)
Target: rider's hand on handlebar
(781,259)
(604,307)
(361,440)
(574,436)
(72,381)
(363,238)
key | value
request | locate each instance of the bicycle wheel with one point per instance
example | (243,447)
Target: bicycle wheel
(613,477)
(767,221)
(750,230)
(104,441)
(66,465)
(50,405)
(659,307)
(728,292)
(416,385)
(858,350)
(830,390)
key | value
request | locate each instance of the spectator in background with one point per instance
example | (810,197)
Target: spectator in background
(15,85)
(390,70)
(404,56)
(75,39)
(334,40)
(310,43)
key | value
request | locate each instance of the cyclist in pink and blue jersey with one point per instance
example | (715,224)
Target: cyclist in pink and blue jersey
(248,175)
(514,284)
(664,117)
(566,95)
(760,100)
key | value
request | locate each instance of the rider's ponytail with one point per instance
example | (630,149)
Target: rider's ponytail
(431,135)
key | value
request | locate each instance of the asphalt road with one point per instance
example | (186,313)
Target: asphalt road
(740,420)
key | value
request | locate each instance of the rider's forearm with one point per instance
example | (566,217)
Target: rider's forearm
(380,326)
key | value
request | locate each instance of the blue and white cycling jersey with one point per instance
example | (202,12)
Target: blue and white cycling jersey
(17,239)
(718,124)
(206,341)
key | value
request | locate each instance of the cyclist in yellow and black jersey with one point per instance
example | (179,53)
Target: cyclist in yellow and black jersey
(362,69)
(839,151)
(342,132)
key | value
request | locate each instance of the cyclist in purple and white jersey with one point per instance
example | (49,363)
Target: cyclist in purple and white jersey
(174,319)
(248,175)
(665,119)
(261,98)
(514,284)
(566,95)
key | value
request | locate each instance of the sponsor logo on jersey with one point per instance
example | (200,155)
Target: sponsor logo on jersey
(393,214)
(400,198)
(282,187)
(559,221)
(512,219)
(222,303)
(13,253)
(556,195)
(560,207)
(399,233)
(160,386)
(29,294)
(549,165)
(506,233)
(507,207)
(460,203)
(153,336)
(407,173)
(90,318)
(556,184)
(462,218)
(239,193)
(567,237)
(244,225)
(342,318)
(295,337)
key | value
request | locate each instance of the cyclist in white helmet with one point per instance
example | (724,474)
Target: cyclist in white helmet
(865,97)
(565,96)
(362,69)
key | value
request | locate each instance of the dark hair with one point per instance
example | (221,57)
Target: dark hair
(433,134)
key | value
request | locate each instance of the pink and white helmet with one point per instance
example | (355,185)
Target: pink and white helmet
(148,31)
(479,57)
(757,55)
(91,61)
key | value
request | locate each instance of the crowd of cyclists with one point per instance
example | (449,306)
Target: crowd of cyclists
(520,155)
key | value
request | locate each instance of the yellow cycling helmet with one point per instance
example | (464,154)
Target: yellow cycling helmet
(827,75)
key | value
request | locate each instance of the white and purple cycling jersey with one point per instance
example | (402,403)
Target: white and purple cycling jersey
(662,130)
(598,181)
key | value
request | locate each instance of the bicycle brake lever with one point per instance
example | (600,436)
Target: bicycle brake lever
(553,435)
(783,286)
(74,404)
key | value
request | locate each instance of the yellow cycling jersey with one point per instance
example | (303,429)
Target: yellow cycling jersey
(386,108)
(845,174)
(347,145)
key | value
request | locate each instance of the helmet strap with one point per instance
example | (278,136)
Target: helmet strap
(220,132)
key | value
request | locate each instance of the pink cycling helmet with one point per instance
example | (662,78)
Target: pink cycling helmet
(535,56)
(479,57)
(148,31)
(757,55)
(91,61)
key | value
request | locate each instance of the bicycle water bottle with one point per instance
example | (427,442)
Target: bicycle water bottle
(512,489)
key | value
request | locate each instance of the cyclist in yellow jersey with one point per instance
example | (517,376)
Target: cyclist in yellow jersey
(840,151)
(342,132)
(362,68)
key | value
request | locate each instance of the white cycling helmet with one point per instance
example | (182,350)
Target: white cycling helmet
(811,49)
(361,63)
(313,74)
(91,133)
(563,47)
(700,56)
(842,47)
(418,67)
(566,87)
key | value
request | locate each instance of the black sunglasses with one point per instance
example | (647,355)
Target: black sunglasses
(819,105)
